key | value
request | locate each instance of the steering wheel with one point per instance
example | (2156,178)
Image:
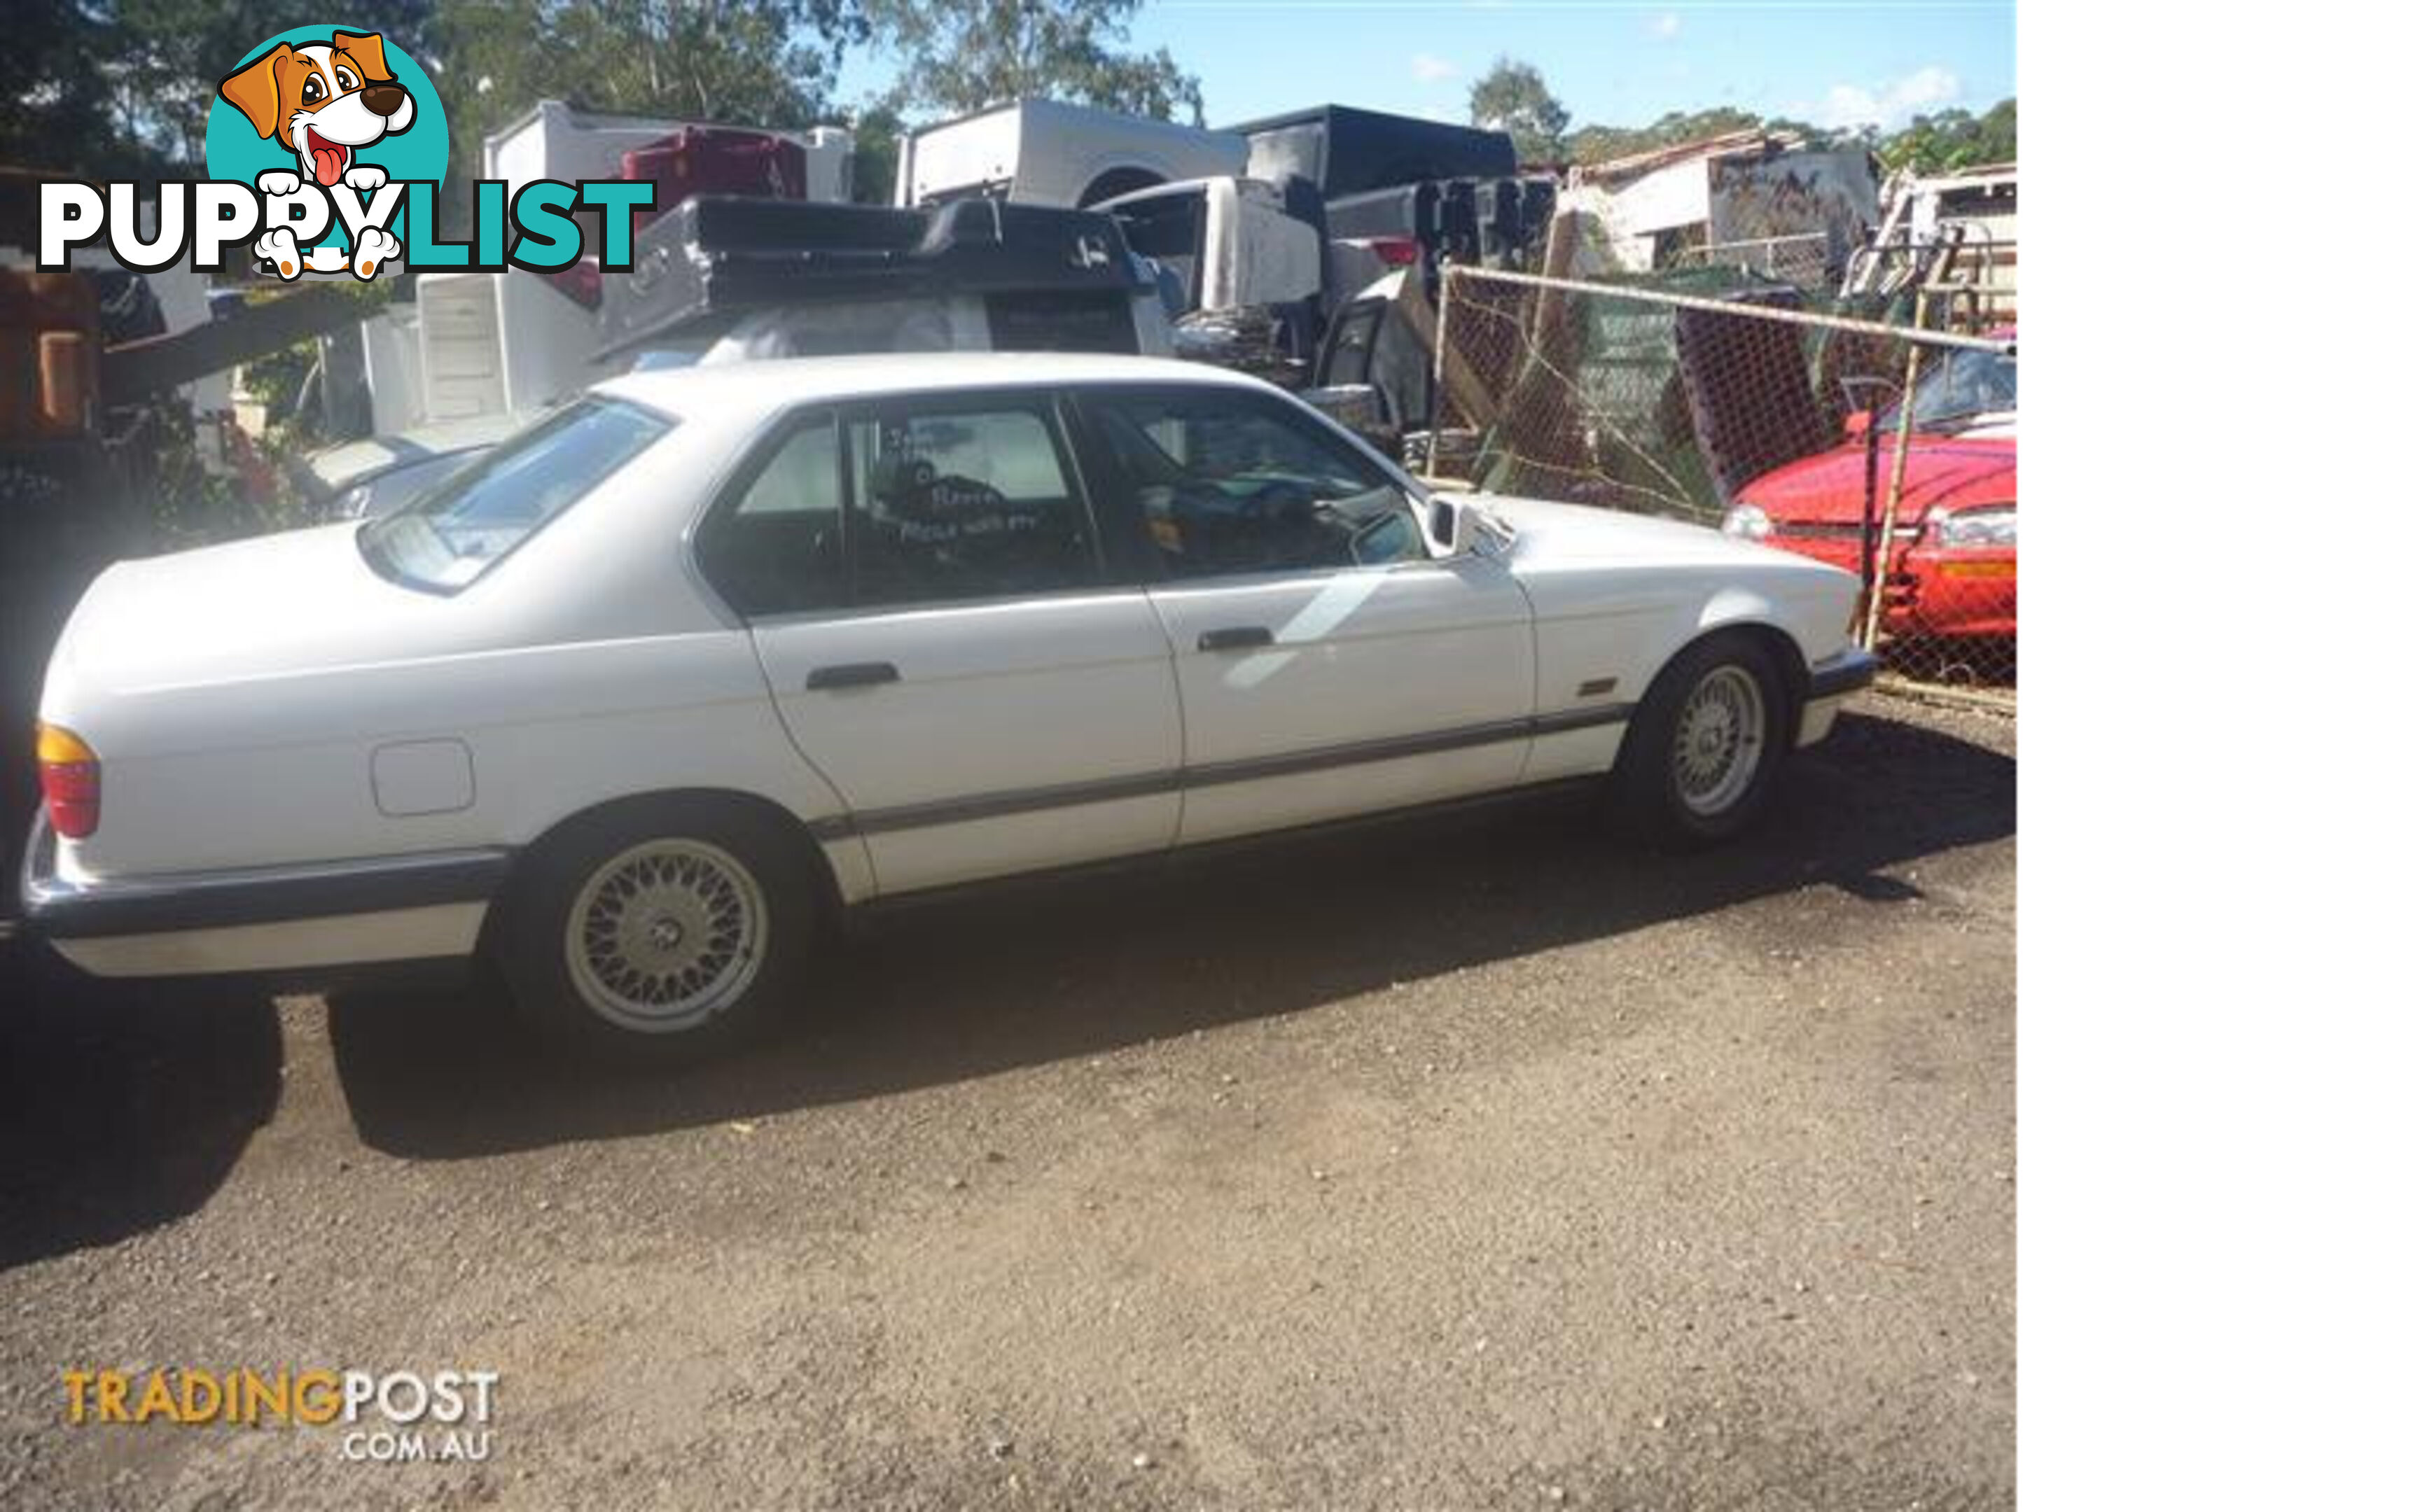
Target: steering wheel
(1280,500)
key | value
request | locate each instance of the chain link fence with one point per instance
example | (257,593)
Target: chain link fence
(1801,259)
(1730,399)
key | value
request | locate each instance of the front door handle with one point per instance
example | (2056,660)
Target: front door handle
(1236,638)
(851,675)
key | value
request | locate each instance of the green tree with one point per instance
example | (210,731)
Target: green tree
(1998,133)
(1943,141)
(768,62)
(1950,139)
(1513,97)
(755,62)
(958,56)
(877,130)
(1600,143)
(119,87)
(46,119)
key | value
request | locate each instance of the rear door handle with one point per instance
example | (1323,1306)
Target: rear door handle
(851,675)
(1236,638)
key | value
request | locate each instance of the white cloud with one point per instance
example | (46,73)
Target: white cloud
(1927,89)
(1665,27)
(1428,68)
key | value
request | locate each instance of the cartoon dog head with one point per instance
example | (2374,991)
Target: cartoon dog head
(323,99)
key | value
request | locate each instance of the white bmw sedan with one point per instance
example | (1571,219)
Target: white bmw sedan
(637,701)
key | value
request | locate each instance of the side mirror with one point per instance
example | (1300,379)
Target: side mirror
(1457,525)
(1859,422)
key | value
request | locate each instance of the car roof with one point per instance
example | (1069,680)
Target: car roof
(763,386)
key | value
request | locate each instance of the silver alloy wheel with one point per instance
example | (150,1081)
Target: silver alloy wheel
(1719,741)
(665,935)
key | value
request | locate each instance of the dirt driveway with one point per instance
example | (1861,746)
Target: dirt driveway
(1463,1164)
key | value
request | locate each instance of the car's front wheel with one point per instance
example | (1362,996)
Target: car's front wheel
(659,932)
(1704,748)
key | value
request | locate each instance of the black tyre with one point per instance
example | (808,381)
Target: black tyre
(1706,743)
(662,932)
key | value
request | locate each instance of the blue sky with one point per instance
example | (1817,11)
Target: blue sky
(1616,63)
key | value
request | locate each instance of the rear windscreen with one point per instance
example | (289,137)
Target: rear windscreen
(446,538)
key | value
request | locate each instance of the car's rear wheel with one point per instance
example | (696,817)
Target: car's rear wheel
(1702,752)
(659,932)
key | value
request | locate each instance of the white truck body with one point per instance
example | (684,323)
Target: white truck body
(485,344)
(1044,152)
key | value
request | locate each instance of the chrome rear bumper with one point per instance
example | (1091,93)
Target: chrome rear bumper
(261,918)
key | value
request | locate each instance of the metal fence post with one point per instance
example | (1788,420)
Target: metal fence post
(1898,482)
(1436,375)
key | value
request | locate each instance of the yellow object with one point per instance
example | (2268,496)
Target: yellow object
(54,746)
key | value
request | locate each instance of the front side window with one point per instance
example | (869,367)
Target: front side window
(963,502)
(1228,482)
(447,538)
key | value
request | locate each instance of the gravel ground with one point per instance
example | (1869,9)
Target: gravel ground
(1465,1162)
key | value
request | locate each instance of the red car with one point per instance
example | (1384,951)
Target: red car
(1952,569)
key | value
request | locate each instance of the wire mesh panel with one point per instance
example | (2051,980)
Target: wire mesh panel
(1732,400)
(1801,259)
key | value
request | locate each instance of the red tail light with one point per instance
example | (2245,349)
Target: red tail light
(1396,251)
(70,780)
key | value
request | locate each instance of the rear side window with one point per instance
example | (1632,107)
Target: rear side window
(446,538)
(974,502)
(906,503)
(780,548)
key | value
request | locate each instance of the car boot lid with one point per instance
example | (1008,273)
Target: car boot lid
(256,608)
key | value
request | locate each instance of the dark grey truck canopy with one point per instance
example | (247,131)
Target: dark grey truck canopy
(716,257)
(1347,152)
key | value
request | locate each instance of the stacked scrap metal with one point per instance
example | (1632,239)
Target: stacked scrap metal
(1250,339)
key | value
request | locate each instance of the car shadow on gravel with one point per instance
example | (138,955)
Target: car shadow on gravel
(1037,972)
(122,1105)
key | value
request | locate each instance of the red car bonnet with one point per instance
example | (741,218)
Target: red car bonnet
(1945,473)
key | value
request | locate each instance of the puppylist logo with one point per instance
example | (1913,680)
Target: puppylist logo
(325,149)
